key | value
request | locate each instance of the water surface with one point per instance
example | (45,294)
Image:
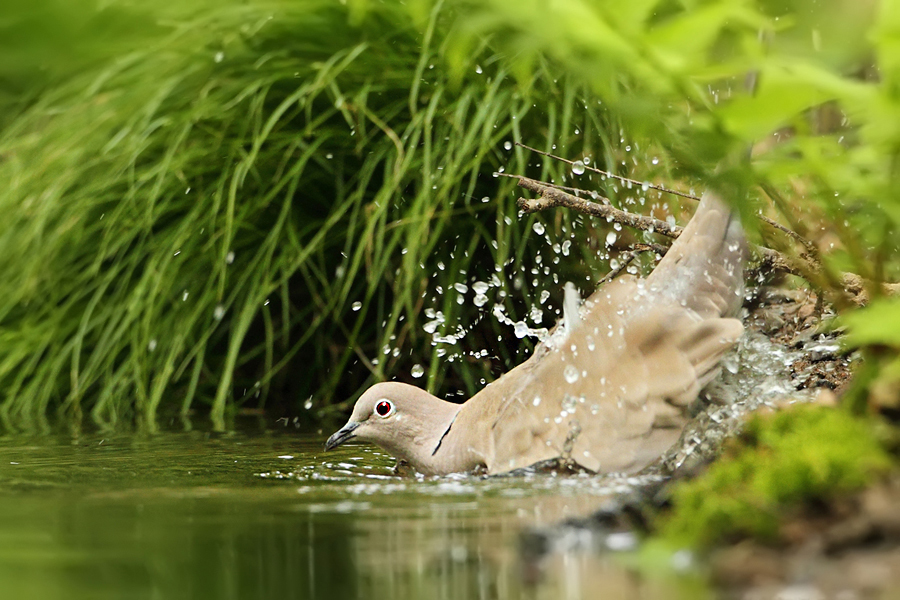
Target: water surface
(269,515)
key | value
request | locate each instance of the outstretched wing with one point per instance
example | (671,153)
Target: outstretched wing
(612,393)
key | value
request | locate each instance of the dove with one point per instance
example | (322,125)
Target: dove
(609,390)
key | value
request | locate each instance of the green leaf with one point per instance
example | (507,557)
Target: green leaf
(779,99)
(877,323)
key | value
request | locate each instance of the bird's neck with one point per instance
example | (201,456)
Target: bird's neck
(436,450)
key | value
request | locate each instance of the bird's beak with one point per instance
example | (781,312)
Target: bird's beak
(341,435)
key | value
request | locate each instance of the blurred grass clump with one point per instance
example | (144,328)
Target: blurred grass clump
(249,200)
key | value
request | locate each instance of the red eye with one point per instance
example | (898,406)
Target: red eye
(384,408)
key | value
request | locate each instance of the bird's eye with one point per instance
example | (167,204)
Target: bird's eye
(384,408)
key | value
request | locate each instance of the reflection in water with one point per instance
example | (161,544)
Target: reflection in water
(267,516)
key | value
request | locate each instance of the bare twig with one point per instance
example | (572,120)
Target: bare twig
(625,260)
(575,191)
(858,288)
(551,197)
(810,248)
(608,174)
(657,249)
(807,266)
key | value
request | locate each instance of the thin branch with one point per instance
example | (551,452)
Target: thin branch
(625,260)
(771,260)
(657,249)
(608,174)
(551,197)
(810,247)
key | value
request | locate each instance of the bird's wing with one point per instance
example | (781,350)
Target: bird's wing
(611,396)
(703,268)
(610,393)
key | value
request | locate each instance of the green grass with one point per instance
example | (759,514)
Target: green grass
(189,223)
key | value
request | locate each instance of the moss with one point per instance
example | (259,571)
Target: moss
(796,457)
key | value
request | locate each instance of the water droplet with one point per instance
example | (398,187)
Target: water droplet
(417,371)
(520,329)
(478,69)
(731,364)
(219,56)
(219,312)
(538,227)
(578,167)
(507,144)
(356,306)
(480,300)
(229,258)
(570,373)
(537,401)
(151,345)
(486,199)
(480,287)
(610,238)
(308,404)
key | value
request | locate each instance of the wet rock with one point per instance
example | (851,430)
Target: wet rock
(746,564)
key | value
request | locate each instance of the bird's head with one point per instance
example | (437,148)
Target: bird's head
(402,419)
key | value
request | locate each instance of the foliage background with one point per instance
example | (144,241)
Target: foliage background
(198,194)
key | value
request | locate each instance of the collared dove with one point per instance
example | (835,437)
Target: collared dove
(609,391)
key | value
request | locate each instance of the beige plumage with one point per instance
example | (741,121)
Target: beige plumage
(608,391)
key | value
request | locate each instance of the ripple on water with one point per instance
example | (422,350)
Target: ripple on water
(366,472)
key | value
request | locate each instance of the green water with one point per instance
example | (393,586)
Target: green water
(269,515)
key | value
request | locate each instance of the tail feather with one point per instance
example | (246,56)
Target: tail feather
(703,269)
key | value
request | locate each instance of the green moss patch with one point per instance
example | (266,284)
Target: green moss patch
(797,457)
